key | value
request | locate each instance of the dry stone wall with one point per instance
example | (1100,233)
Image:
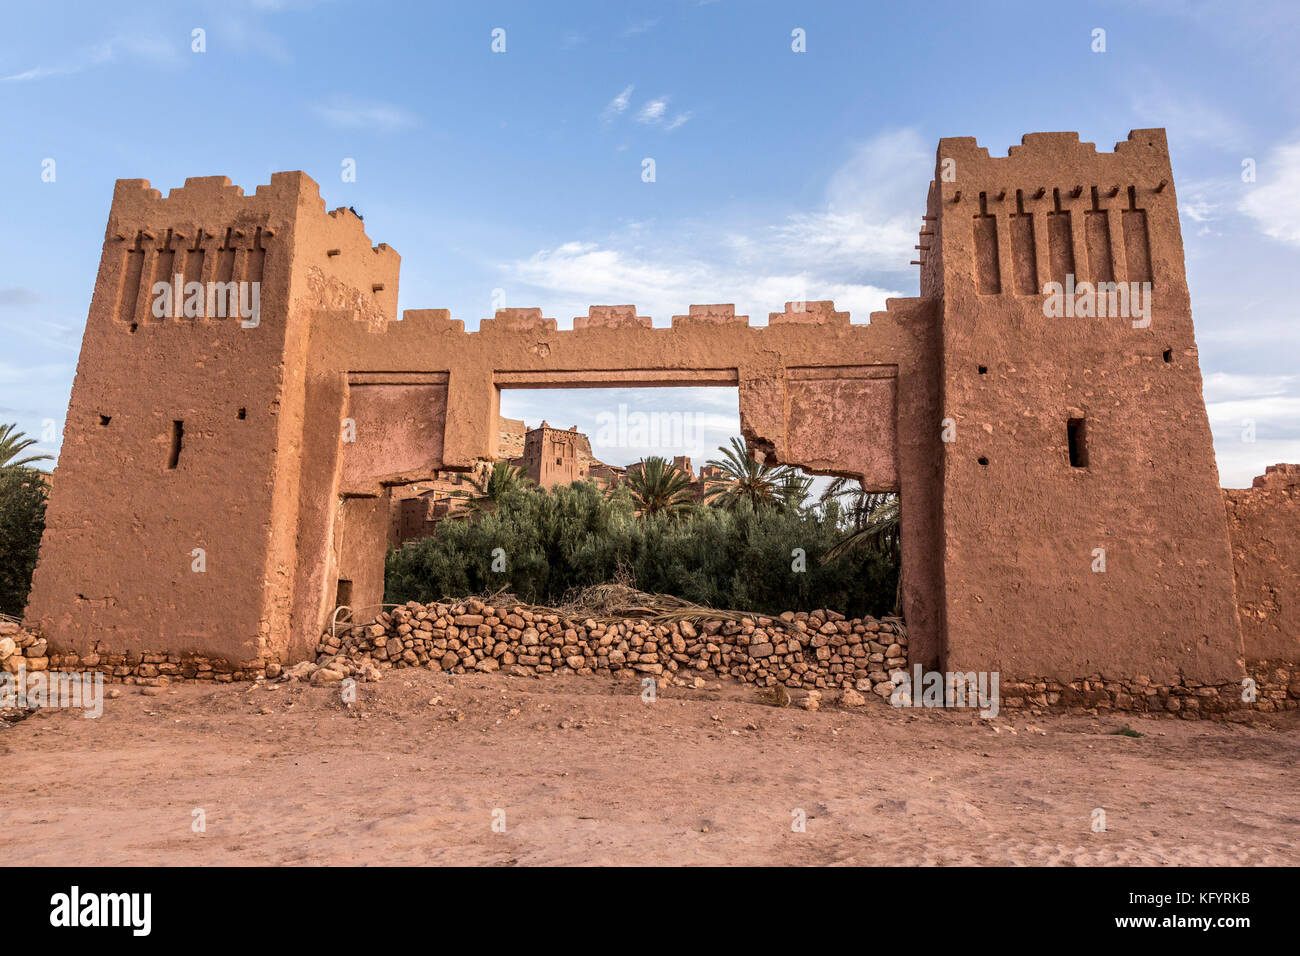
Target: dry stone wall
(851,660)
(812,650)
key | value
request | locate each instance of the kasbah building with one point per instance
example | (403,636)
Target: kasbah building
(1020,437)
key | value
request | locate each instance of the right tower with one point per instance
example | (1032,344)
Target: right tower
(1082,518)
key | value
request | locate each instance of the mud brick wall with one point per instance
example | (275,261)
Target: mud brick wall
(272,449)
(1264,526)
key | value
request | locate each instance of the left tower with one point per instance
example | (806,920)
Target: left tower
(173,524)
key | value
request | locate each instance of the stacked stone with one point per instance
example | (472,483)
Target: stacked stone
(1276,687)
(20,646)
(17,644)
(818,649)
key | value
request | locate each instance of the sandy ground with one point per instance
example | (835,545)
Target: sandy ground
(587,773)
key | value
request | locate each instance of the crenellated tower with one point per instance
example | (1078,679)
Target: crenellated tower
(174,522)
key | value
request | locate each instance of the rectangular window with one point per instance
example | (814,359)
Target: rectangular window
(178,434)
(1077,435)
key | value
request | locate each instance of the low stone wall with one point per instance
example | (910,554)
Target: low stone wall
(816,651)
(821,651)
(1276,688)
(18,644)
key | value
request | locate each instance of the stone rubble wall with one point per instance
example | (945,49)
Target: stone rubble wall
(821,651)
(17,644)
(1277,688)
(815,651)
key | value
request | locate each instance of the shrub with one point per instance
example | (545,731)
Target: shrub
(23,494)
(573,536)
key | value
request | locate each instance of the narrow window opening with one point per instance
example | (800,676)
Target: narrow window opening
(983,460)
(178,434)
(242,414)
(984,369)
(1169,355)
(134,326)
(105,419)
(1077,435)
(343,597)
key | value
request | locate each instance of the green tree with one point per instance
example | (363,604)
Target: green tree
(489,486)
(744,478)
(793,488)
(23,494)
(659,487)
(574,536)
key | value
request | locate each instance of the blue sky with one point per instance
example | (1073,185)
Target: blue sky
(779,175)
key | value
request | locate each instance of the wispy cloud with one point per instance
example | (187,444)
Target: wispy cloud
(350,113)
(825,253)
(1274,200)
(617,106)
(1255,420)
(653,111)
(17,296)
(639,26)
(149,47)
(1184,115)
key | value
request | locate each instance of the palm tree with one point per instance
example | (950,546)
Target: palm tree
(12,443)
(659,487)
(744,478)
(876,523)
(489,486)
(855,504)
(793,488)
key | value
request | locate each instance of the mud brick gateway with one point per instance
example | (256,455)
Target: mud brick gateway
(1068,434)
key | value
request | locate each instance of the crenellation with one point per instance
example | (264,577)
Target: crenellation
(706,315)
(821,312)
(431,320)
(611,317)
(296,505)
(518,320)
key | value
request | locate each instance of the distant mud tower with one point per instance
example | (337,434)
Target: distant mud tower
(223,485)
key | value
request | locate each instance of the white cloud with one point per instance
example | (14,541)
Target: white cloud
(1256,422)
(348,113)
(1274,201)
(679,120)
(617,106)
(1226,386)
(653,111)
(826,253)
(1184,115)
(1241,462)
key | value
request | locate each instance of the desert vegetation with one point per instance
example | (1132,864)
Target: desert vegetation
(23,492)
(753,540)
